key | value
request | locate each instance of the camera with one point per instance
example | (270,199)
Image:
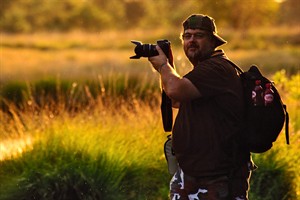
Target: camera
(149,50)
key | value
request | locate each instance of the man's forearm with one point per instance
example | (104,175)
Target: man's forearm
(176,87)
(170,80)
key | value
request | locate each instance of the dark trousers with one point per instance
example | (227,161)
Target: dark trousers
(228,187)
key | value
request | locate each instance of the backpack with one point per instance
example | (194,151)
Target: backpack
(263,123)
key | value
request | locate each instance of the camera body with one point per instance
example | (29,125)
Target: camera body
(149,50)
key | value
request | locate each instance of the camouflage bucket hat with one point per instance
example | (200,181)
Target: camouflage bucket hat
(203,22)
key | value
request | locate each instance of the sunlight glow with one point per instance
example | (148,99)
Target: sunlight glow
(279,1)
(11,148)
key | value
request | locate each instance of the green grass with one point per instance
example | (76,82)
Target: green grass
(94,155)
(274,179)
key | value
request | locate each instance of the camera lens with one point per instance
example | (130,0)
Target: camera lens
(144,50)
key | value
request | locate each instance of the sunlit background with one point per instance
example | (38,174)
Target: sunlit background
(77,112)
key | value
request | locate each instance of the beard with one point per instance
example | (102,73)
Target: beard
(195,53)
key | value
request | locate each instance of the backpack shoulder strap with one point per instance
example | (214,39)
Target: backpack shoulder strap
(240,71)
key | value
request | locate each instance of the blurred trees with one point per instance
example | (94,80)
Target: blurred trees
(97,15)
(289,12)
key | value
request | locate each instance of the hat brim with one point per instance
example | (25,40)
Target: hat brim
(219,41)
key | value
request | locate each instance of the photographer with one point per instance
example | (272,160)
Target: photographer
(210,102)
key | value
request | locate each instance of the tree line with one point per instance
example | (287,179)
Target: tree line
(96,15)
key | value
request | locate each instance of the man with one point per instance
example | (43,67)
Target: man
(210,101)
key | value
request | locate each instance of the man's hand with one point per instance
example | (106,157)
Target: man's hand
(158,61)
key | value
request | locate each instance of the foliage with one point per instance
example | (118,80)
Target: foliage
(75,96)
(91,155)
(97,15)
(66,174)
(273,180)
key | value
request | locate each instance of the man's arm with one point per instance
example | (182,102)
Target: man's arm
(177,88)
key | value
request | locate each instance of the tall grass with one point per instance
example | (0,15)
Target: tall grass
(97,154)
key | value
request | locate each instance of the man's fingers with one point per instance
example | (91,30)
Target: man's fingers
(160,51)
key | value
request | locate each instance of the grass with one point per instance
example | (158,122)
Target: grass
(94,155)
(79,120)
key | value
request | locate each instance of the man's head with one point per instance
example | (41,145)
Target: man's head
(200,37)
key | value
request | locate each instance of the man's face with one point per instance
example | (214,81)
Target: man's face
(197,44)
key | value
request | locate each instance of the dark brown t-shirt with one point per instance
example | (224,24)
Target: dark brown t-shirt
(205,127)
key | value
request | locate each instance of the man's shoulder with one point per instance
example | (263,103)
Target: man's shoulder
(218,57)
(216,62)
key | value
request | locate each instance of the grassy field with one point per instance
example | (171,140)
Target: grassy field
(109,152)
(80,120)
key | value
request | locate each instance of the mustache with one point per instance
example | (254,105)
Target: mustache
(193,45)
